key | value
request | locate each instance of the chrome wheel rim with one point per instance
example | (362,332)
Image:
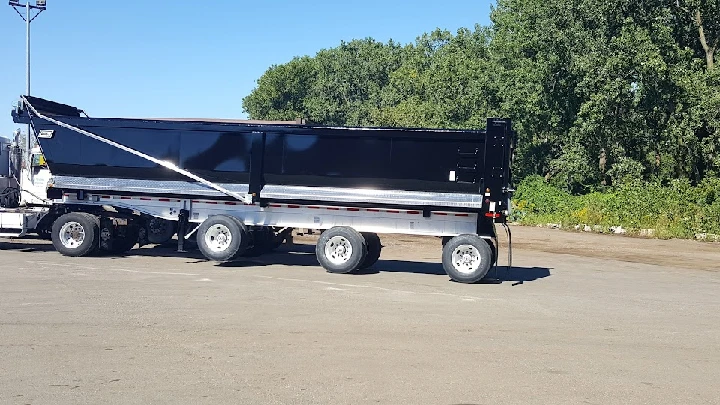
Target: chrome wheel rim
(72,235)
(218,238)
(338,250)
(466,259)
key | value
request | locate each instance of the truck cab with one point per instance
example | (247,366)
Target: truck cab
(34,180)
(23,186)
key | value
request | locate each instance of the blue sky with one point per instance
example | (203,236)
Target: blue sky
(133,58)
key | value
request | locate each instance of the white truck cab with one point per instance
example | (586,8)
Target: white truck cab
(24,177)
(34,180)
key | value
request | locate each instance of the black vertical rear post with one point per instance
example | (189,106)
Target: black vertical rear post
(182,228)
(257,163)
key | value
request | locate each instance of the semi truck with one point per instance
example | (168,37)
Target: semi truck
(240,188)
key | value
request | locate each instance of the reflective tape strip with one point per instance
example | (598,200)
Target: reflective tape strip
(288,206)
(374,210)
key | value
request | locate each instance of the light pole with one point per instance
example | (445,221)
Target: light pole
(40,6)
(28,17)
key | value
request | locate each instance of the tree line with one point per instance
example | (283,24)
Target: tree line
(599,91)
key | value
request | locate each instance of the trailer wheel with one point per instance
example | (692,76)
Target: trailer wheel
(493,250)
(160,230)
(263,241)
(467,258)
(76,234)
(374,247)
(222,238)
(126,242)
(341,249)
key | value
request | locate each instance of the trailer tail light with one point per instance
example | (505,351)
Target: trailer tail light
(492,214)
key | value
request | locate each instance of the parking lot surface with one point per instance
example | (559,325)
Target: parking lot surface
(580,319)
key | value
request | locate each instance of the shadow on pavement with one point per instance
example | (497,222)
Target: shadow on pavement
(304,255)
(517,274)
(301,255)
(27,244)
(498,275)
(167,250)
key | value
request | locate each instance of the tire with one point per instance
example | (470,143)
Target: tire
(45,234)
(263,241)
(160,231)
(467,258)
(278,237)
(493,250)
(341,249)
(126,242)
(222,238)
(76,234)
(374,247)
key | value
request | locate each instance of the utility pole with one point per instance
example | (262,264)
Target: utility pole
(40,6)
(28,17)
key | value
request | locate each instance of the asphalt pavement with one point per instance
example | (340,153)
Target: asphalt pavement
(156,327)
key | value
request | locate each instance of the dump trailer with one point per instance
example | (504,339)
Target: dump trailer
(240,189)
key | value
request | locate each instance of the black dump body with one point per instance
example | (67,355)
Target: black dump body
(409,159)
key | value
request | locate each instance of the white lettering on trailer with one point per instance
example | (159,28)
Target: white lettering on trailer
(46,133)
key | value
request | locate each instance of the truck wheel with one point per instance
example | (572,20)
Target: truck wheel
(262,242)
(222,238)
(76,234)
(341,249)
(160,230)
(126,242)
(45,234)
(374,247)
(493,250)
(467,258)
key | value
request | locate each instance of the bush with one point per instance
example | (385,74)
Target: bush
(678,210)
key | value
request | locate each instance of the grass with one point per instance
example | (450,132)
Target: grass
(676,210)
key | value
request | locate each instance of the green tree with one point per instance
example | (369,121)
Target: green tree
(350,78)
(600,91)
(442,82)
(596,84)
(282,91)
(698,27)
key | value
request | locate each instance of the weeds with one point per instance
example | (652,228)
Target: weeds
(676,210)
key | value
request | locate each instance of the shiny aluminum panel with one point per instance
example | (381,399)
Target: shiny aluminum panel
(274,192)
